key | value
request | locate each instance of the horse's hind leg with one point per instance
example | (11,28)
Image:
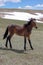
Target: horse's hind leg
(30,44)
(9,38)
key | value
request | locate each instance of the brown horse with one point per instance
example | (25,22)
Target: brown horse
(24,30)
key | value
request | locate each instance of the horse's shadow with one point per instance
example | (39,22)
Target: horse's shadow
(14,50)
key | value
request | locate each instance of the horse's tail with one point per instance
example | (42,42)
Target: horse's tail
(6,33)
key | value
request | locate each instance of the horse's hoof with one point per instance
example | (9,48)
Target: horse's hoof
(25,49)
(6,46)
(11,47)
(32,48)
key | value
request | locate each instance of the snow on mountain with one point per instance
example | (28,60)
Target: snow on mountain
(22,16)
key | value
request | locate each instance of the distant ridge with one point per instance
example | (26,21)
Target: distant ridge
(20,10)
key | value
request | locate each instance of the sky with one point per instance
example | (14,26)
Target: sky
(22,4)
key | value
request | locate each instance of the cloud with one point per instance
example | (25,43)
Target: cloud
(33,7)
(19,7)
(28,6)
(25,7)
(12,1)
(39,5)
(2,2)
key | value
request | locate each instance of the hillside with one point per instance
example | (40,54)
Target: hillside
(16,14)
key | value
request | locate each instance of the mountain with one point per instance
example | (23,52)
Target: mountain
(21,14)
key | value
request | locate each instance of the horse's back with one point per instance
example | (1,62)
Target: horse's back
(19,30)
(16,29)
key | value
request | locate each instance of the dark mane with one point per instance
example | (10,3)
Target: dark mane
(29,22)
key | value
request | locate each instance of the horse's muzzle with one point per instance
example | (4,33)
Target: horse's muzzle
(36,27)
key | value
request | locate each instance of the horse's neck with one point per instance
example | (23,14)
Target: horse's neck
(25,25)
(29,28)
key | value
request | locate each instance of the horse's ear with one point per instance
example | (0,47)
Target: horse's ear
(31,19)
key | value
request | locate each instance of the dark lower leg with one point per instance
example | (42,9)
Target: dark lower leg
(10,41)
(30,44)
(25,43)
(6,42)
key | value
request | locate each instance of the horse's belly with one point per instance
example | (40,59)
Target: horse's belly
(23,34)
(20,34)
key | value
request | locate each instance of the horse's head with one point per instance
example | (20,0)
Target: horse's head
(33,22)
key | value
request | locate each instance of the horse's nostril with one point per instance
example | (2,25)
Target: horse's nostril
(36,27)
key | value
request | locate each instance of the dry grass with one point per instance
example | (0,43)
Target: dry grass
(17,56)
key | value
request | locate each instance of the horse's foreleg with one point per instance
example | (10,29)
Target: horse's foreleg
(30,44)
(25,43)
